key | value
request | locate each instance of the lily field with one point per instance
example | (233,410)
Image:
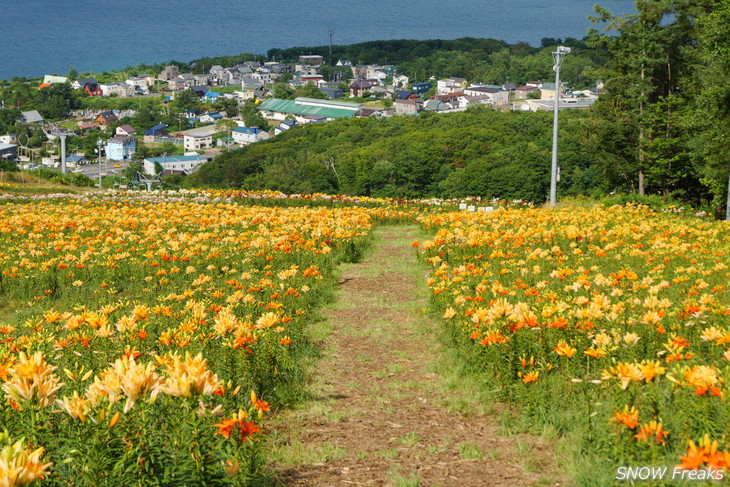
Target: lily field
(145,338)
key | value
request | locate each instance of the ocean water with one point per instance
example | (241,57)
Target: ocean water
(46,37)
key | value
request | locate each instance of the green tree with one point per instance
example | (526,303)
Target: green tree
(283,92)
(710,86)
(640,73)
(185,100)
(252,117)
(310,90)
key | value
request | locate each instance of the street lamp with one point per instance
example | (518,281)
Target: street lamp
(98,159)
(557,56)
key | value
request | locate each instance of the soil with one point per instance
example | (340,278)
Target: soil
(390,410)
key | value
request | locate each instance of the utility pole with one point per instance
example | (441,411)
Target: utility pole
(331,33)
(98,159)
(557,56)
(727,203)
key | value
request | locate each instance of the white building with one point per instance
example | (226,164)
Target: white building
(186,164)
(496,97)
(450,85)
(117,89)
(194,142)
(248,135)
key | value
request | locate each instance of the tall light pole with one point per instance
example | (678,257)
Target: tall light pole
(98,159)
(557,56)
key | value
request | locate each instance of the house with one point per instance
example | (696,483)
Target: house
(176,84)
(199,90)
(547,91)
(125,130)
(358,87)
(344,62)
(170,72)
(435,105)
(277,69)
(8,139)
(194,142)
(51,79)
(311,59)
(534,84)
(202,79)
(218,74)
(140,84)
(249,135)
(159,130)
(211,96)
(8,151)
(565,103)
(87,126)
(76,159)
(31,116)
(117,89)
(421,88)
(105,118)
(226,142)
(368,112)
(451,99)
(407,107)
(314,78)
(332,93)
(211,117)
(187,164)
(89,85)
(497,97)
(401,80)
(120,148)
(450,85)
(277,109)
(523,92)
(263,76)
(284,126)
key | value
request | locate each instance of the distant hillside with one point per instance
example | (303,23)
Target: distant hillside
(478,152)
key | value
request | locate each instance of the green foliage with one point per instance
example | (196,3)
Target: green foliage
(477,152)
(185,100)
(74,179)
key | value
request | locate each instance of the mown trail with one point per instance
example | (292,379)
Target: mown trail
(390,409)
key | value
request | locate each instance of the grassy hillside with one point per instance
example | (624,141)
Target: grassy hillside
(478,152)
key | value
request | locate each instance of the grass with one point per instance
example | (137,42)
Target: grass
(297,453)
(387,453)
(397,479)
(409,440)
(470,451)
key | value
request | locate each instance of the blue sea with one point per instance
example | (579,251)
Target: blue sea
(47,36)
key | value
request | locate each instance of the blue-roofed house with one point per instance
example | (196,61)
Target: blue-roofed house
(76,159)
(403,94)
(421,87)
(284,126)
(248,135)
(211,96)
(159,130)
(211,117)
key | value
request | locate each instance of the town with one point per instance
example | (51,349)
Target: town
(208,109)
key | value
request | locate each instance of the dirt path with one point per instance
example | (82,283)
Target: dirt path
(391,411)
